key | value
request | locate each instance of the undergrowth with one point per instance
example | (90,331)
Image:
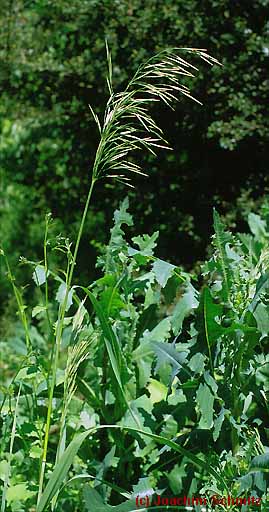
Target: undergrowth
(138,383)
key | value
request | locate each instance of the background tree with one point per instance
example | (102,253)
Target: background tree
(53,64)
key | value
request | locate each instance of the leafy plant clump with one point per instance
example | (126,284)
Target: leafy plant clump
(138,383)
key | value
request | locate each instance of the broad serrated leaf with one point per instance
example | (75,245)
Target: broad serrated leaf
(207,326)
(184,306)
(157,391)
(170,427)
(143,487)
(246,483)
(175,477)
(121,216)
(133,418)
(18,492)
(38,309)
(259,481)
(176,397)
(205,402)
(197,363)
(94,503)
(143,356)
(163,271)
(143,402)
(167,353)
(146,243)
(111,302)
(261,314)
(257,226)
(260,463)
(211,382)
(161,331)
(218,424)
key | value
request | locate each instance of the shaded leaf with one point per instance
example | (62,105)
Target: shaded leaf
(197,363)
(184,306)
(208,328)
(39,275)
(160,332)
(170,427)
(260,463)
(110,300)
(157,390)
(211,382)
(19,492)
(61,295)
(162,271)
(176,397)
(143,487)
(37,310)
(261,314)
(205,401)
(111,342)
(257,226)
(146,244)
(167,353)
(218,424)
(94,502)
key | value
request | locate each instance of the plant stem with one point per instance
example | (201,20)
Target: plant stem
(236,410)
(13,433)
(46,274)
(20,303)
(236,416)
(58,337)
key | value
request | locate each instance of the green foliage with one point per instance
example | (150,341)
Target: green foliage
(52,62)
(141,387)
(136,381)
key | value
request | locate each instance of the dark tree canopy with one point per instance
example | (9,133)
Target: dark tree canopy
(53,63)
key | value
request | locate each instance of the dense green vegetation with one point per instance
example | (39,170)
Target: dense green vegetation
(153,355)
(128,368)
(53,64)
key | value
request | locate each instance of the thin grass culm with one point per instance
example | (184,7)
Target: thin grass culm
(127,127)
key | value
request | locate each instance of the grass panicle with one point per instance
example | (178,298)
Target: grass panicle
(128,125)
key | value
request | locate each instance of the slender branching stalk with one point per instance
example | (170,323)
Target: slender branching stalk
(58,337)
(126,128)
(19,300)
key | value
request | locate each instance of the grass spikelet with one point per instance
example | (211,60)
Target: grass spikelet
(127,124)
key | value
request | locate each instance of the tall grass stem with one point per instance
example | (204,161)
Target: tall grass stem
(58,337)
